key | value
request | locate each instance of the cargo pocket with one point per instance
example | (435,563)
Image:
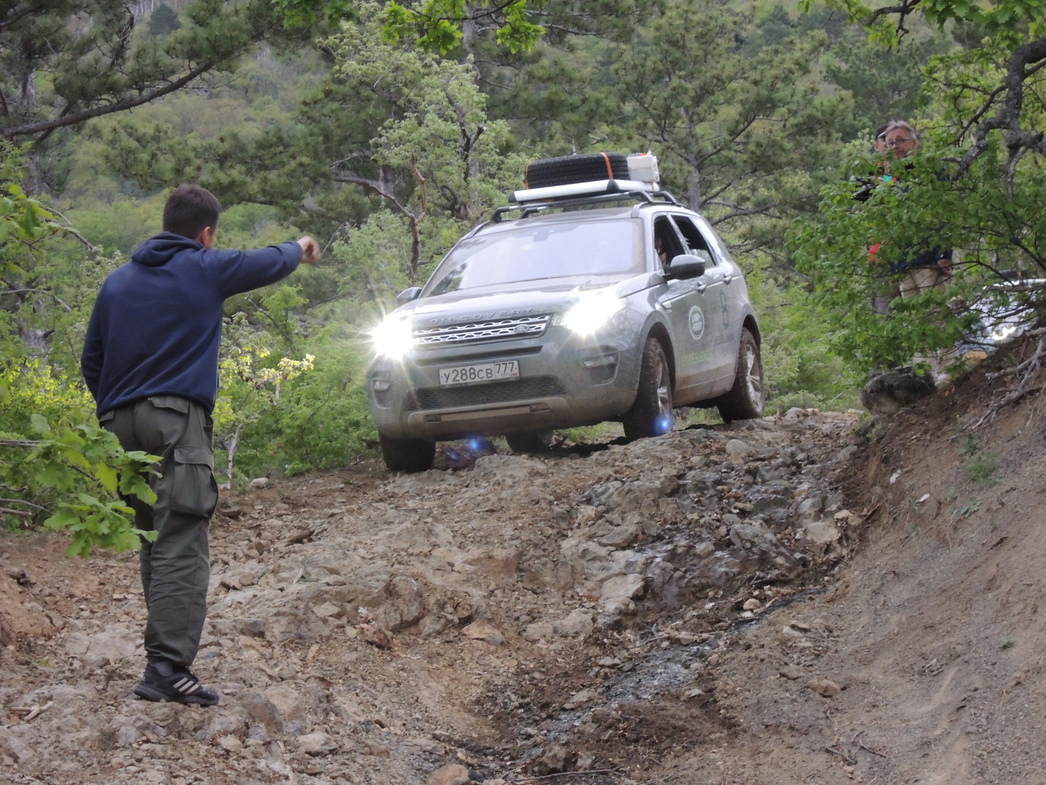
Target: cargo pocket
(194,489)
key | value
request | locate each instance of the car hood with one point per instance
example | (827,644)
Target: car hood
(520,299)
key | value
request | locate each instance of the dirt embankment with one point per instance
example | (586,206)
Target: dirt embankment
(803,599)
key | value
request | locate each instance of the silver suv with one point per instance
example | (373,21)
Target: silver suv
(579,304)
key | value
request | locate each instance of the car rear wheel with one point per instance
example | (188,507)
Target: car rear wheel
(407,455)
(529,441)
(570,169)
(745,400)
(651,414)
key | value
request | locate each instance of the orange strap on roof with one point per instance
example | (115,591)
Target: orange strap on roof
(610,168)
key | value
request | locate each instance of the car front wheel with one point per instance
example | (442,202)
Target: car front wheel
(407,455)
(745,400)
(651,414)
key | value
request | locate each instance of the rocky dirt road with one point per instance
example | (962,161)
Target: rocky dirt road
(507,620)
(794,600)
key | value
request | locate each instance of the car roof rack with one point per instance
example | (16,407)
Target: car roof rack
(533,200)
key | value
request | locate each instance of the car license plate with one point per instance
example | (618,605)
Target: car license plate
(473,374)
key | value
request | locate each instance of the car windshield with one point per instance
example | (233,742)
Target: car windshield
(541,251)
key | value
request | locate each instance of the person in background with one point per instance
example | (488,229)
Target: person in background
(150,359)
(930,268)
(886,285)
(924,270)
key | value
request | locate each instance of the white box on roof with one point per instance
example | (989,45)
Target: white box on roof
(643,167)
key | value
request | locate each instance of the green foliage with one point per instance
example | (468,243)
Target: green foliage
(904,216)
(163,21)
(798,363)
(740,136)
(884,84)
(56,76)
(308,13)
(389,150)
(251,375)
(370,262)
(1004,20)
(429,138)
(24,223)
(71,470)
(437,24)
(322,420)
(975,186)
(120,226)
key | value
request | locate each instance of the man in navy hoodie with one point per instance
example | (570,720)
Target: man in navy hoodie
(150,360)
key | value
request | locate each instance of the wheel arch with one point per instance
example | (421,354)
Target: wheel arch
(660,332)
(752,326)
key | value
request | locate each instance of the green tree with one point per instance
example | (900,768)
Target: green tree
(163,21)
(437,157)
(393,127)
(741,136)
(56,75)
(438,25)
(884,84)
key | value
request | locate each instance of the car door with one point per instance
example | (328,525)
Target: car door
(724,294)
(691,310)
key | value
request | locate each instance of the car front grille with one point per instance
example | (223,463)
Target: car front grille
(480,394)
(489,330)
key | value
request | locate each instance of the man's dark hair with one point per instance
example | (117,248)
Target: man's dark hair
(190,210)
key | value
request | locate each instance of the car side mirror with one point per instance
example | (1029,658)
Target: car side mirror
(407,295)
(687,266)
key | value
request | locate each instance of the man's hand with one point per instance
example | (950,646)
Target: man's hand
(310,250)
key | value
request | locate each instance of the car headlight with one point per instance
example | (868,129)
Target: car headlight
(393,338)
(590,313)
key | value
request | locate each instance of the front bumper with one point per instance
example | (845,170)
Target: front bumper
(564,381)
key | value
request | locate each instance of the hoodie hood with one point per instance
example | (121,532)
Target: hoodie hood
(158,250)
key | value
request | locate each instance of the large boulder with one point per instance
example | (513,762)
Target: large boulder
(891,391)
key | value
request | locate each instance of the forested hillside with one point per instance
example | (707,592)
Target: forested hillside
(387,130)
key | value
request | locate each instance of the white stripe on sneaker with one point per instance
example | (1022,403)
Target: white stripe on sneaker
(186,686)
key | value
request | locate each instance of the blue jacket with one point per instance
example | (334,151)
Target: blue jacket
(156,324)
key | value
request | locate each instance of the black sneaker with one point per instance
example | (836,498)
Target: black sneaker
(165,682)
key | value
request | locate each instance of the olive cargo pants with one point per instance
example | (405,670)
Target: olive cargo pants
(176,566)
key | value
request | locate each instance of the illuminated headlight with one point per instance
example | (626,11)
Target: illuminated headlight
(393,338)
(590,313)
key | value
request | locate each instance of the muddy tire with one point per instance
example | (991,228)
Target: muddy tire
(529,442)
(407,455)
(572,169)
(745,400)
(651,414)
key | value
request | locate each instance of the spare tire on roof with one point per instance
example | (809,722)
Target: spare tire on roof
(571,169)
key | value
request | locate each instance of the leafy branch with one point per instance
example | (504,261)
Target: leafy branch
(60,459)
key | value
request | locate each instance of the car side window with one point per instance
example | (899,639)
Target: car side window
(695,241)
(667,243)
